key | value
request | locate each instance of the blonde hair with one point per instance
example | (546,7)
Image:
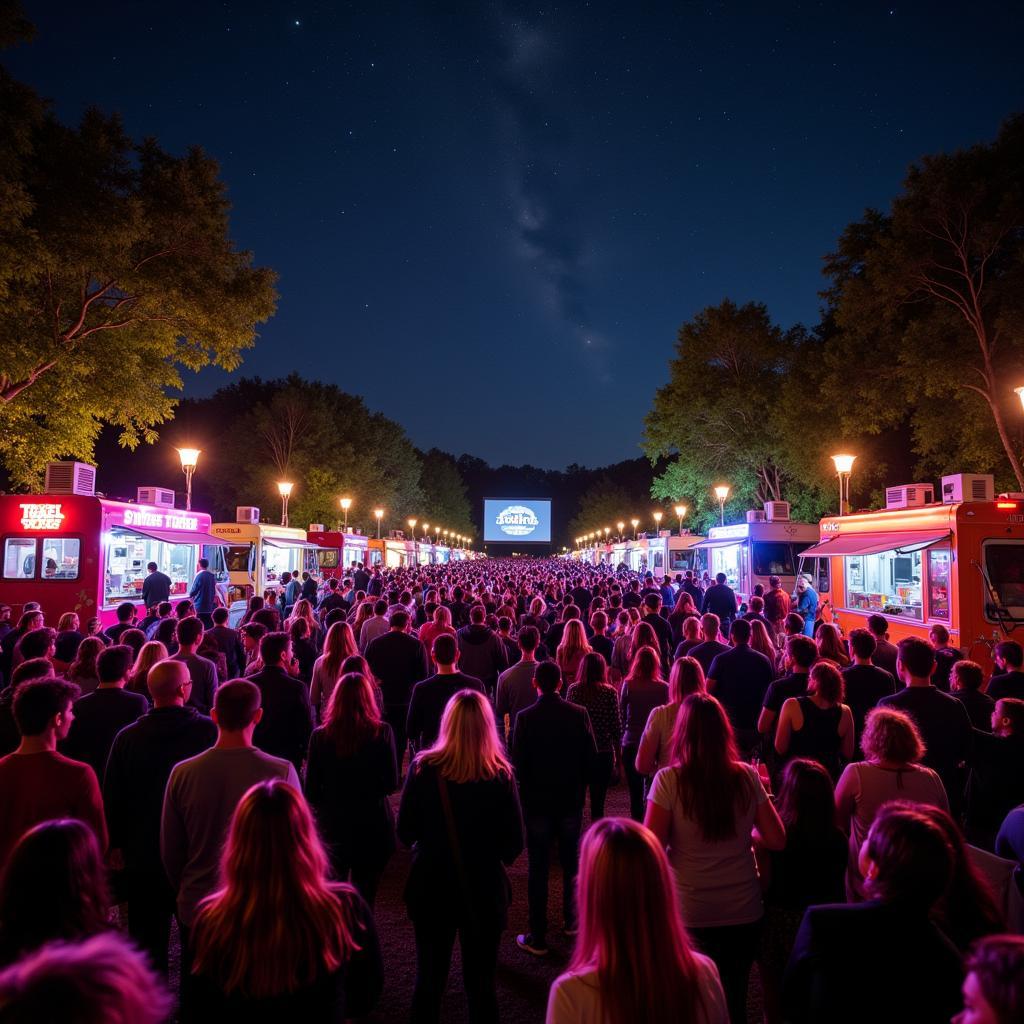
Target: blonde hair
(467,747)
(149,654)
(631,931)
(303,610)
(891,735)
(686,677)
(574,644)
(339,645)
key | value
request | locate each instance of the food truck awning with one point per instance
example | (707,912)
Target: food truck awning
(288,542)
(719,542)
(179,536)
(873,543)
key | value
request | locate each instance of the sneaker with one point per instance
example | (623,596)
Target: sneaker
(530,945)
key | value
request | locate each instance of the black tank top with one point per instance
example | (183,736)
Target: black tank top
(819,737)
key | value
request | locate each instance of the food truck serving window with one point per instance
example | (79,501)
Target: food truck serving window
(938,583)
(1004,565)
(128,554)
(727,559)
(60,558)
(327,558)
(773,558)
(887,582)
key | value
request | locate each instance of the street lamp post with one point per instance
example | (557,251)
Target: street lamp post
(424,528)
(607,531)
(636,523)
(657,521)
(621,525)
(680,511)
(721,493)
(412,528)
(285,490)
(189,457)
(378,514)
(346,504)
(844,466)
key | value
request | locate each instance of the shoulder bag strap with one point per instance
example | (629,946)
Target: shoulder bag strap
(456,846)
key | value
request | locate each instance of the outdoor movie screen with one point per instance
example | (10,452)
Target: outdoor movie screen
(517,520)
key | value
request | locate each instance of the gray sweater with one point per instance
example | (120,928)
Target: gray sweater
(201,796)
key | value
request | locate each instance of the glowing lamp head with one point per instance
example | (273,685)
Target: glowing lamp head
(658,516)
(607,530)
(189,457)
(722,492)
(378,513)
(680,511)
(284,488)
(412,524)
(843,463)
(346,504)
(1020,394)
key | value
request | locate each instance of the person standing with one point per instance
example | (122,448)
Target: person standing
(1009,680)
(228,643)
(515,685)
(805,603)
(460,814)
(201,796)
(203,593)
(352,771)
(711,644)
(156,587)
(398,661)
(996,783)
(430,696)
(593,692)
(481,651)
(554,752)
(776,607)
(203,672)
(866,683)
(140,763)
(642,691)
(739,678)
(885,652)
(946,656)
(966,682)
(102,714)
(287,721)
(36,782)
(720,600)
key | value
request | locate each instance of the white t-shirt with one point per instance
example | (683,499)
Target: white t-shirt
(576,999)
(657,737)
(717,881)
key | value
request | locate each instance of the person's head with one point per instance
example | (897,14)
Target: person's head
(739,633)
(100,980)
(906,858)
(152,566)
(352,714)
(630,927)
(548,677)
(275,648)
(774,582)
(34,668)
(1008,717)
(68,623)
(298,630)
(793,624)
(477,615)
(802,653)
(713,785)
(189,631)
(569,612)
(54,886)
(691,628)
(993,988)
(757,604)
(891,735)
(528,640)
(467,747)
(652,603)
(220,616)
(879,626)
(710,624)
(38,643)
(806,800)
(938,636)
(967,675)
(273,858)
(125,612)
(686,677)
(1009,655)
(84,665)
(593,670)
(252,633)
(204,563)
(114,665)
(645,666)
(184,609)
(43,706)
(169,683)
(827,682)
(599,622)
(380,607)
(399,621)
(862,644)
(830,641)
(915,659)
(30,620)
(574,638)
(445,650)
(721,578)
(236,706)
(164,609)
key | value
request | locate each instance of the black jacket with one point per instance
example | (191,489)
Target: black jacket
(429,699)
(349,796)
(482,654)
(287,721)
(553,751)
(230,645)
(99,717)
(720,600)
(399,661)
(140,763)
(489,829)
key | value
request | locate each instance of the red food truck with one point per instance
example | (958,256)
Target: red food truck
(76,552)
(337,550)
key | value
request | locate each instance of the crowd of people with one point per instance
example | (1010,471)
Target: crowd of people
(845,813)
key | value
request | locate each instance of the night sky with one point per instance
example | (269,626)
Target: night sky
(490,219)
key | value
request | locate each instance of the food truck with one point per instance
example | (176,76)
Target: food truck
(394,552)
(958,562)
(668,553)
(336,550)
(73,551)
(253,555)
(766,545)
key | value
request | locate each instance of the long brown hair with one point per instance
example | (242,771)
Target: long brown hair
(149,654)
(277,920)
(686,677)
(643,635)
(645,667)
(340,644)
(713,785)
(84,665)
(352,714)
(631,931)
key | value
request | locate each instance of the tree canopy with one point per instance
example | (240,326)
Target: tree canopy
(117,272)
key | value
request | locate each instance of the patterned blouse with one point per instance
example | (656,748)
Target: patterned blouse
(602,704)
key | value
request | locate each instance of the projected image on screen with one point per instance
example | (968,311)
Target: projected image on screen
(517,520)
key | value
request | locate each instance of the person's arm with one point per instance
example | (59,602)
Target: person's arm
(846,733)
(511,841)
(118,810)
(562,1007)
(785,729)
(658,820)
(847,791)
(647,752)
(173,836)
(769,832)
(765,721)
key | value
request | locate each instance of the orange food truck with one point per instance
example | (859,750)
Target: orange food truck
(958,562)
(75,552)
